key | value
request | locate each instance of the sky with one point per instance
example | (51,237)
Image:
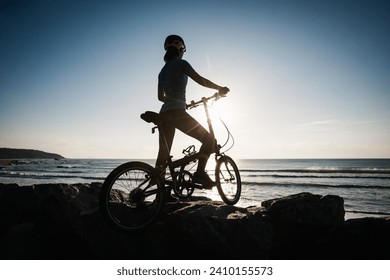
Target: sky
(308,79)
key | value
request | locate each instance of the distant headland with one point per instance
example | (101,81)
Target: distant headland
(10,154)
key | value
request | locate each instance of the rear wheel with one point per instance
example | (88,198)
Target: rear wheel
(228,180)
(131,197)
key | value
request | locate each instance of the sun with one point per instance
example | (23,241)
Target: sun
(224,115)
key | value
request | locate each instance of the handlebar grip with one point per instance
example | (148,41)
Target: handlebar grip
(218,95)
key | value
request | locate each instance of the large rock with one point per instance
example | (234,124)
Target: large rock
(17,205)
(306,209)
(364,238)
(300,220)
(212,230)
(41,222)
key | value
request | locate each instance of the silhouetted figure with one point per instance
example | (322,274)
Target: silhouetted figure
(172,82)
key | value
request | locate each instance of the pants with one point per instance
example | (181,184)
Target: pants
(181,120)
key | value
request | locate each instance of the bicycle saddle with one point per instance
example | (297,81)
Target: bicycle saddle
(153,117)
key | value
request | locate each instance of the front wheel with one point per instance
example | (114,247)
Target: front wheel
(228,180)
(131,197)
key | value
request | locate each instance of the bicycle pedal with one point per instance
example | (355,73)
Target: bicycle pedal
(189,151)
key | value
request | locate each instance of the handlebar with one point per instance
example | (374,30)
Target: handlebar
(204,100)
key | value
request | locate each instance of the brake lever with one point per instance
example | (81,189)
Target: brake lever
(218,96)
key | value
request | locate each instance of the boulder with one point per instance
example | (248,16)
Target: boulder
(17,205)
(306,208)
(358,239)
(204,229)
(42,222)
(300,220)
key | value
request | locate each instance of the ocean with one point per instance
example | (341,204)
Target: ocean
(363,183)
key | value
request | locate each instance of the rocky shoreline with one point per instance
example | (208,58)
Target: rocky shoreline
(59,221)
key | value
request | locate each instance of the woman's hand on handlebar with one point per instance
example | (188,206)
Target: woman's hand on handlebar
(223,91)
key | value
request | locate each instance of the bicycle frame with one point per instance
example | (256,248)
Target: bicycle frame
(183,162)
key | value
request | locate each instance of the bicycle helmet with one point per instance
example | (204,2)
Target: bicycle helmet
(175,41)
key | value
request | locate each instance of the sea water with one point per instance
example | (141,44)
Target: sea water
(363,183)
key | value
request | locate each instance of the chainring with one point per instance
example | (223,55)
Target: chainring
(184,187)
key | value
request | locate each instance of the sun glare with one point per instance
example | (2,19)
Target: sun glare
(222,116)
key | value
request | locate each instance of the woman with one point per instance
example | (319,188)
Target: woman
(172,82)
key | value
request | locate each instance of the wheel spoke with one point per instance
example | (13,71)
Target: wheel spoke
(228,180)
(129,200)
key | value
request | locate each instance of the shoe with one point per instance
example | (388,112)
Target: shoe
(203,179)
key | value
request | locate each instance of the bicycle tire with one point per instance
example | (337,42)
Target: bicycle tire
(131,197)
(228,180)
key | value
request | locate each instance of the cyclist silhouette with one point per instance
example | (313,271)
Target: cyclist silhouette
(172,82)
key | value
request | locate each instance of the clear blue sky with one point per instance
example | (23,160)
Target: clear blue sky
(308,79)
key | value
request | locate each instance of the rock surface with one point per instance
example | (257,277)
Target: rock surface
(300,220)
(364,238)
(57,221)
